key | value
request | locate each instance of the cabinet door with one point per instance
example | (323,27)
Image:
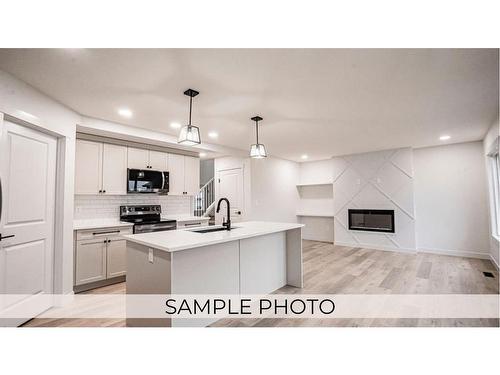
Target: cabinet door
(114,169)
(191,175)
(158,160)
(116,258)
(176,175)
(90,264)
(88,167)
(138,158)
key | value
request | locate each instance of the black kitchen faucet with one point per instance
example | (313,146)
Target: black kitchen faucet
(227,223)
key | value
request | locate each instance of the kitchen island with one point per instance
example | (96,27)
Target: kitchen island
(252,258)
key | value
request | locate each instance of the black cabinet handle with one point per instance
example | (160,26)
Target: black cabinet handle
(104,191)
(4,237)
(113,231)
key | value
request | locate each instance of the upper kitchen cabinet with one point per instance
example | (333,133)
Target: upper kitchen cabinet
(147,159)
(114,169)
(176,174)
(158,161)
(191,175)
(100,168)
(88,167)
(184,174)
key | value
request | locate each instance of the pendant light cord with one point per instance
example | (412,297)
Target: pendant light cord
(190,108)
(257,130)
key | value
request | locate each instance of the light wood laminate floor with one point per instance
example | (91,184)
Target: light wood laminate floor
(348,270)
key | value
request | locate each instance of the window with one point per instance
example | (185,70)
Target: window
(495,191)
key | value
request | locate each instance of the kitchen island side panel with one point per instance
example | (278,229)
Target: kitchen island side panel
(146,277)
(263,264)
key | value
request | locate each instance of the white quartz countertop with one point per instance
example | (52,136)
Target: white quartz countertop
(99,223)
(182,218)
(182,239)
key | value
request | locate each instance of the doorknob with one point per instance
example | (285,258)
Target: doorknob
(3,238)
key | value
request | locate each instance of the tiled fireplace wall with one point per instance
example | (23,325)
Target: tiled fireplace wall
(376,180)
(107,207)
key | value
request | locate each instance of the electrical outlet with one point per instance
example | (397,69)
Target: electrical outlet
(150,256)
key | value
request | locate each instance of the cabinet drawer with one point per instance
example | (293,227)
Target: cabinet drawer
(111,232)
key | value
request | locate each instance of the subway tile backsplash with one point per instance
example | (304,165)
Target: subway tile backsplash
(108,206)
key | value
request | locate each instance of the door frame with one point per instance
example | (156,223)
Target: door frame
(32,122)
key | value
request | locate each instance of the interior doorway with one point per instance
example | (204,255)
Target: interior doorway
(28,165)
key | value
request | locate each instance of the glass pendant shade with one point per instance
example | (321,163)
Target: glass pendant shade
(189,135)
(258,151)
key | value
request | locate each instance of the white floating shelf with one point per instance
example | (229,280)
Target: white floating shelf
(314,214)
(316,184)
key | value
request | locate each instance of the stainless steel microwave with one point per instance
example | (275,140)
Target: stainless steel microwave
(144,181)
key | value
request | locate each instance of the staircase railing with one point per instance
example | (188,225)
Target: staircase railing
(205,198)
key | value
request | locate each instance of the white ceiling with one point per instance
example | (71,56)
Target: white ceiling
(320,102)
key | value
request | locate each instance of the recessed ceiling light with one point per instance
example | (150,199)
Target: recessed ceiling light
(175,125)
(203,154)
(444,137)
(304,157)
(125,112)
(213,135)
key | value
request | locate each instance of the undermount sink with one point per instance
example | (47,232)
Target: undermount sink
(208,230)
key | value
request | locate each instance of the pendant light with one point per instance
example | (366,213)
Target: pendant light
(257,150)
(190,134)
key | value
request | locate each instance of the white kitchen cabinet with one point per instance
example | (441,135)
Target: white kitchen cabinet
(88,167)
(116,255)
(176,174)
(184,174)
(100,255)
(191,175)
(100,168)
(90,261)
(138,158)
(114,169)
(147,159)
(158,160)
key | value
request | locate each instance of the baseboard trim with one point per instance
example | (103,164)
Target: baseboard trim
(456,253)
(98,284)
(382,248)
(494,262)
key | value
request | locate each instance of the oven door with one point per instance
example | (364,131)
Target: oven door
(155,227)
(146,181)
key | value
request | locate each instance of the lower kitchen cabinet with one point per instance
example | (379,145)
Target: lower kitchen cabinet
(100,255)
(90,261)
(116,258)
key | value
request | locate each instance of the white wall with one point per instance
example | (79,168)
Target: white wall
(316,172)
(451,202)
(19,99)
(490,138)
(270,192)
(378,180)
(274,195)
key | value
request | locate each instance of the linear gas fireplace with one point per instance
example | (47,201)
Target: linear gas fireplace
(371,220)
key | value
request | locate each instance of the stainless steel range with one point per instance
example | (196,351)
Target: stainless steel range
(146,218)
